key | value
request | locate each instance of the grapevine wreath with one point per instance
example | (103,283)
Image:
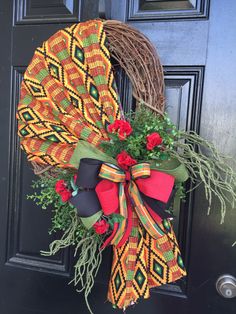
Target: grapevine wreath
(113,178)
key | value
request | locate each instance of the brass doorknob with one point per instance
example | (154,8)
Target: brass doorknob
(226,286)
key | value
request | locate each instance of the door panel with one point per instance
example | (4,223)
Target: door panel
(167,10)
(195,40)
(199,96)
(28,225)
(30,12)
(29,282)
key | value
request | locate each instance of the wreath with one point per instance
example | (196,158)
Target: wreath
(113,178)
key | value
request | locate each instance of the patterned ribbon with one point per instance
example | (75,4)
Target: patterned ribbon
(134,184)
(68,93)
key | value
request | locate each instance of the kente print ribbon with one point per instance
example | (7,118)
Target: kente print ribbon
(106,186)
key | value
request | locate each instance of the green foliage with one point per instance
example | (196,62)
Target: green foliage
(87,246)
(86,243)
(212,171)
(46,196)
(207,167)
(113,218)
(88,264)
(144,122)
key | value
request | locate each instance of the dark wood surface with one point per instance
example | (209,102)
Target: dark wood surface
(196,43)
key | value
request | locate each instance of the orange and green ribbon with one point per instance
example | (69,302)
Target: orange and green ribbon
(139,181)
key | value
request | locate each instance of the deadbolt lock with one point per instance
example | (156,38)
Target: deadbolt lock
(226,286)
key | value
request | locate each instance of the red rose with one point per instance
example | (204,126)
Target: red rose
(101,227)
(124,130)
(60,186)
(65,195)
(125,160)
(114,127)
(122,127)
(153,140)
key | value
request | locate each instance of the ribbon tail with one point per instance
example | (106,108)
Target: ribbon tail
(154,215)
(129,224)
(110,238)
(124,213)
(159,207)
(151,226)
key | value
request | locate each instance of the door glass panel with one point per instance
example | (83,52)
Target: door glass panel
(167,5)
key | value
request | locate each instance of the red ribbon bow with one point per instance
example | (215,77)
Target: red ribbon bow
(119,191)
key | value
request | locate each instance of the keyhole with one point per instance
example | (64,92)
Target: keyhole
(226,286)
(228,292)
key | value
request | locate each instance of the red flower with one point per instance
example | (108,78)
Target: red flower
(65,195)
(60,186)
(122,127)
(114,127)
(101,227)
(125,160)
(153,140)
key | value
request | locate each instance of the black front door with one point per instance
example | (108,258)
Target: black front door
(195,40)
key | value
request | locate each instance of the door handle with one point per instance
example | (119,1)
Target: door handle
(226,286)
